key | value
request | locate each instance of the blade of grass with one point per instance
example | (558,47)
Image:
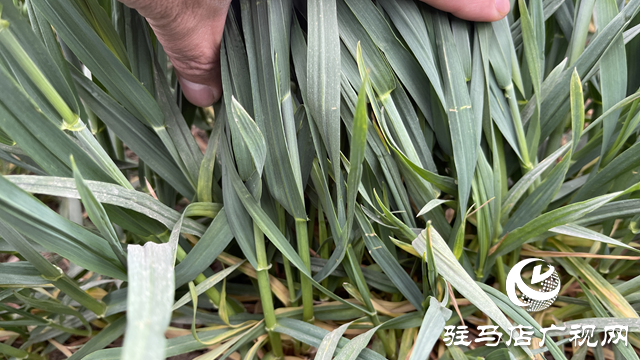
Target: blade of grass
(98,215)
(323,75)
(460,114)
(330,342)
(432,325)
(55,233)
(613,71)
(149,300)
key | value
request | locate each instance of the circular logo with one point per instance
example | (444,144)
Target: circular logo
(540,291)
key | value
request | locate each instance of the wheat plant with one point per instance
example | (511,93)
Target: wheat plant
(371,174)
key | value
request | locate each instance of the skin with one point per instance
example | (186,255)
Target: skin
(191,31)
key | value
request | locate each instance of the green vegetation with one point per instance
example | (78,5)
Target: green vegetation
(373,170)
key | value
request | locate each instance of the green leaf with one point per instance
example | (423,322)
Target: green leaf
(613,71)
(535,57)
(564,215)
(507,51)
(330,342)
(21,274)
(107,194)
(251,134)
(603,290)
(540,198)
(101,23)
(432,205)
(37,221)
(113,74)
(149,300)
(50,63)
(239,220)
(443,183)
(356,345)
(451,270)
(14,352)
(400,59)
(262,220)
(133,132)
(323,74)
(54,307)
(581,30)
(205,175)
(53,154)
(175,346)
(47,271)
(585,233)
(106,336)
(577,110)
(216,238)
(432,325)
(519,188)
(180,138)
(273,114)
(313,336)
(625,163)
(461,121)
(98,215)
(242,154)
(406,16)
(206,285)
(555,105)
(352,33)
(354,178)
(357,152)
(520,316)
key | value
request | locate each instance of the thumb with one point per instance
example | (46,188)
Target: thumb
(196,61)
(190,33)
(474,10)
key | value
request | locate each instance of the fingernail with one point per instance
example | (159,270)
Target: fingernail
(198,94)
(503,6)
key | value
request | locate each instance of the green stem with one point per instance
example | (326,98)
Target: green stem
(213,294)
(324,248)
(517,121)
(70,287)
(18,353)
(288,272)
(605,265)
(305,284)
(13,47)
(311,228)
(102,158)
(287,266)
(118,146)
(265,293)
(515,256)
(502,278)
(555,141)
(99,130)
(366,299)
(388,342)
(51,272)
(71,120)
(617,145)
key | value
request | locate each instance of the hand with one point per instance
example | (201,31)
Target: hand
(191,31)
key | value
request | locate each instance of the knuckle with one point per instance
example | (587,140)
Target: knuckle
(196,66)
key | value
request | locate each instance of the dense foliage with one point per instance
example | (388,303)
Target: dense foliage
(372,172)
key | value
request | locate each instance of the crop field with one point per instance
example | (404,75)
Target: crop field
(379,180)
